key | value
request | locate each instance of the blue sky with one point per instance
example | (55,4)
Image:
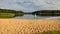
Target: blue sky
(30,5)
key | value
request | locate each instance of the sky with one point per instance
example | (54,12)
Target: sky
(30,5)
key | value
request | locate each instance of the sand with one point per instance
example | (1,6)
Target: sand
(24,26)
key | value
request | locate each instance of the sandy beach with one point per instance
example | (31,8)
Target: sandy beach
(24,26)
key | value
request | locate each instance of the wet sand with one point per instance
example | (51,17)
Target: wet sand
(24,26)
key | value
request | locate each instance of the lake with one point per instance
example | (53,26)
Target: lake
(31,17)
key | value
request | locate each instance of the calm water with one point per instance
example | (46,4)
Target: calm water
(30,17)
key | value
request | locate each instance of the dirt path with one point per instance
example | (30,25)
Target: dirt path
(23,26)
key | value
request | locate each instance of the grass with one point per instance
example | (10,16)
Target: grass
(50,32)
(7,15)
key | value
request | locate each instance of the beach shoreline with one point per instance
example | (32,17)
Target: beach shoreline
(22,26)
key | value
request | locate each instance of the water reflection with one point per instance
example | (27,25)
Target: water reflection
(30,17)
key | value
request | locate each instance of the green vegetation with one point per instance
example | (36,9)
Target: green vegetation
(48,13)
(19,13)
(5,13)
(50,32)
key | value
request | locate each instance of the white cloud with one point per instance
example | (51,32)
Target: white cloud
(30,5)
